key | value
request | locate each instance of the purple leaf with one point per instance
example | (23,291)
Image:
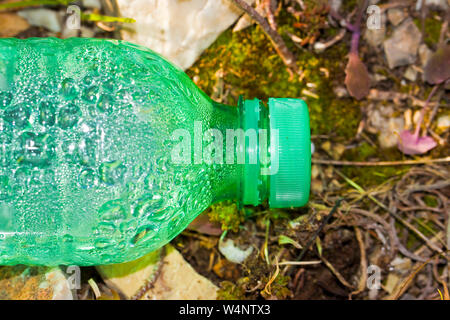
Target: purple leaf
(437,69)
(357,79)
(410,143)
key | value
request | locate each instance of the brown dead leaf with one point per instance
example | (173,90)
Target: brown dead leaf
(11,25)
(437,69)
(357,77)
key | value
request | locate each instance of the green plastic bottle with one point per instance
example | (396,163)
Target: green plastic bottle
(108,151)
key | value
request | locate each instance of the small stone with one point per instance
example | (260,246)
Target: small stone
(443,124)
(92,4)
(381,120)
(410,74)
(388,138)
(401,49)
(340,92)
(396,16)
(424,54)
(41,17)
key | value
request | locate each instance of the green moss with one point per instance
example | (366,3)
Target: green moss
(227,214)
(372,176)
(432,30)
(252,68)
(230,291)
(430,201)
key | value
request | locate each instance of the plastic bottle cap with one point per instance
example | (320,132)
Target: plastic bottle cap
(290,153)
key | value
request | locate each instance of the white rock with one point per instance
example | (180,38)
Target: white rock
(175,280)
(41,17)
(178,29)
(388,137)
(401,49)
(93,4)
(232,252)
(410,74)
(443,123)
(424,54)
(381,121)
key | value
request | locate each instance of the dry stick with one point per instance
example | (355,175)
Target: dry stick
(379,163)
(395,215)
(277,41)
(324,223)
(363,263)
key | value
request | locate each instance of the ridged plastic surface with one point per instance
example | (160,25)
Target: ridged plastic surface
(290,184)
(85,170)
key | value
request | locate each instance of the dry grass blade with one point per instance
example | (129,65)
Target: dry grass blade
(396,216)
(380,163)
(401,289)
(363,264)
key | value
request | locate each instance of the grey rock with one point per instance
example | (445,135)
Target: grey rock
(396,16)
(401,48)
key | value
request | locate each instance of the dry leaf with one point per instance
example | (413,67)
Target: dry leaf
(437,69)
(357,79)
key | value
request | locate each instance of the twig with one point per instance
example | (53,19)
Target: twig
(363,264)
(300,263)
(277,41)
(379,163)
(324,223)
(429,243)
(336,273)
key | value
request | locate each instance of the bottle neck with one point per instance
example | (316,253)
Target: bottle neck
(254,150)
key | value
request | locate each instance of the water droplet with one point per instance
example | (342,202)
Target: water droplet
(144,234)
(67,238)
(35,149)
(5,99)
(68,116)
(69,89)
(47,112)
(17,115)
(112,172)
(5,187)
(103,243)
(149,207)
(106,228)
(105,104)
(87,151)
(112,211)
(90,95)
(88,178)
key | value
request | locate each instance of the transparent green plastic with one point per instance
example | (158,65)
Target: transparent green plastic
(86,143)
